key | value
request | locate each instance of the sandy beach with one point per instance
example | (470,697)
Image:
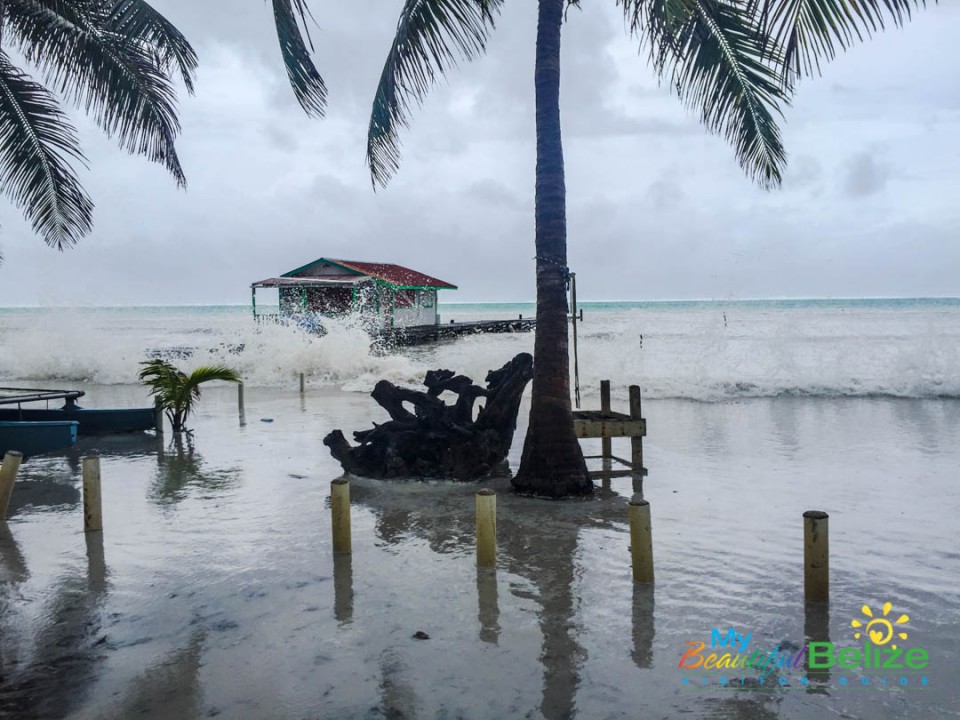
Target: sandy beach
(214,590)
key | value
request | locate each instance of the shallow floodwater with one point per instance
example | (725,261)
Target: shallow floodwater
(213,590)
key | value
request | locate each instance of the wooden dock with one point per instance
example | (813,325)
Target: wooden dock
(607,424)
(419,334)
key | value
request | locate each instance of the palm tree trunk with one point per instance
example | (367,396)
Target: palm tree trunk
(552,463)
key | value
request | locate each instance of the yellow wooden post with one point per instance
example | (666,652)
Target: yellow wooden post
(816,556)
(636,443)
(92,509)
(641,541)
(606,443)
(340,512)
(486,528)
(8,476)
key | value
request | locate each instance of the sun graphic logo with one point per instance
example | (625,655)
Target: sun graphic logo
(879,630)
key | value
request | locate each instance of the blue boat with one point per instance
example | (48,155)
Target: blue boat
(37,438)
(91,421)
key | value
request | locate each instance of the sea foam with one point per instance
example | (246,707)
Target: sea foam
(702,351)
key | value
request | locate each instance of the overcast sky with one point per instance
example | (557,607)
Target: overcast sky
(657,207)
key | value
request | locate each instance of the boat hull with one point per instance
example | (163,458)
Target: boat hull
(37,438)
(91,421)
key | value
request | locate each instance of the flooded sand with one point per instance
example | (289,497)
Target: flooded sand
(213,591)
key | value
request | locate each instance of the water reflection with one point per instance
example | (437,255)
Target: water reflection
(816,628)
(539,542)
(96,563)
(62,664)
(561,654)
(488,606)
(786,427)
(742,708)
(169,689)
(397,698)
(126,445)
(643,626)
(180,467)
(12,564)
(343,587)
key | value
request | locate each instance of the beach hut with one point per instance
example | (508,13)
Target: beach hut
(390,296)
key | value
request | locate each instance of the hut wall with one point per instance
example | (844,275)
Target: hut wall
(414,307)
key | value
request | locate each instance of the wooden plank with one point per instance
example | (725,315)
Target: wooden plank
(599,415)
(610,428)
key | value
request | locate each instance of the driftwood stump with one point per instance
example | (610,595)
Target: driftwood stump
(438,440)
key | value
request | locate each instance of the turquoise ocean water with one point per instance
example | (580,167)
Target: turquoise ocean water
(703,349)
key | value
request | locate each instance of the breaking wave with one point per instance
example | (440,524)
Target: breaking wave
(700,351)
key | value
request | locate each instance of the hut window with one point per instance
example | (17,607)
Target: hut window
(406,298)
(426,298)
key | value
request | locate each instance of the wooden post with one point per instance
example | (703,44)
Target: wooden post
(576,359)
(302,384)
(92,510)
(486,528)
(240,407)
(636,443)
(816,556)
(641,541)
(8,476)
(606,443)
(340,512)
(158,417)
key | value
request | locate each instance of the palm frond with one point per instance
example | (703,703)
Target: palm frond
(431,36)
(136,18)
(809,31)
(36,143)
(160,375)
(304,78)
(710,52)
(115,77)
(206,373)
(175,391)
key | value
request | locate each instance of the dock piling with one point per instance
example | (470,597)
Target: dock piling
(92,507)
(816,556)
(303,386)
(606,443)
(340,513)
(486,528)
(8,476)
(636,442)
(576,354)
(641,541)
(240,408)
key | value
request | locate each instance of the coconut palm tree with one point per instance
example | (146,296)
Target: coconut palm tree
(734,61)
(117,60)
(175,391)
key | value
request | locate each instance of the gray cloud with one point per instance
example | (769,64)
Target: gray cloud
(865,175)
(656,206)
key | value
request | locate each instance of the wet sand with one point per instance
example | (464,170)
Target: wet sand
(213,591)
